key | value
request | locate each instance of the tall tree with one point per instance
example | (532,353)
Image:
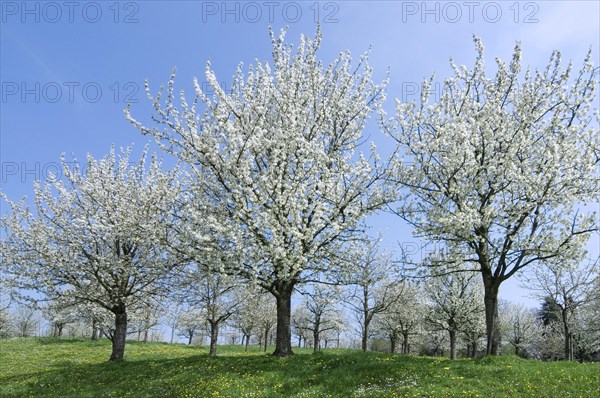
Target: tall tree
(279,152)
(498,167)
(98,237)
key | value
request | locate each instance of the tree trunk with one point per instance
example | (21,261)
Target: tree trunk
(567,333)
(146,335)
(405,348)
(317,341)
(266,339)
(191,336)
(366,320)
(364,338)
(316,334)
(492,324)
(283,341)
(118,339)
(214,335)
(247,342)
(392,344)
(94,331)
(452,344)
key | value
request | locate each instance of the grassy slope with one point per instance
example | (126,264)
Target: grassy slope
(76,368)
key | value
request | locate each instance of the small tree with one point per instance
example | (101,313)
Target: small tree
(144,318)
(215,292)
(322,312)
(59,314)
(25,320)
(301,324)
(403,318)
(568,286)
(5,316)
(246,316)
(521,327)
(5,323)
(172,317)
(190,322)
(375,286)
(454,303)
(267,318)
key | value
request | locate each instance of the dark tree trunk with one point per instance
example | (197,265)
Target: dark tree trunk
(405,347)
(366,320)
(214,335)
(94,331)
(316,334)
(393,339)
(365,333)
(146,336)
(266,339)
(247,342)
(492,324)
(283,341)
(118,338)
(568,337)
(190,337)
(452,344)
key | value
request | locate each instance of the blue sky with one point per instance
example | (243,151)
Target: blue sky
(68,69)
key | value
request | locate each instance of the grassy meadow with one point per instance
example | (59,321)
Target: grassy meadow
(79,368)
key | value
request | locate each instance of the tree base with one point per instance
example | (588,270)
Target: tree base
(283,353)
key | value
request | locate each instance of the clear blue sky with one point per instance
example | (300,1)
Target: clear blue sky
(68,69)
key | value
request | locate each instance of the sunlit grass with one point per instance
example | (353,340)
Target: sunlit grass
(77,368)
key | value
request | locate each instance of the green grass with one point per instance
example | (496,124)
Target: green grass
(78,368)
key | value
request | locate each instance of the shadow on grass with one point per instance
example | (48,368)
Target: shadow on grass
(60,340)
(201,376)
